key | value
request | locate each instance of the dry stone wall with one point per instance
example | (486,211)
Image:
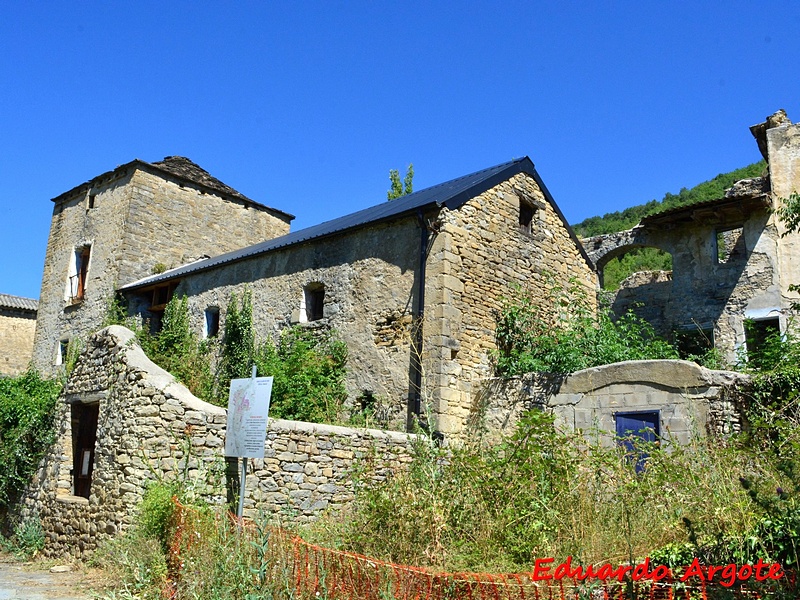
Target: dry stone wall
(691,400)
(151,428)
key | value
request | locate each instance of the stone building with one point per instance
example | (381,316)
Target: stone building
(135,220)
(411,285)
(731,262)
(17,325)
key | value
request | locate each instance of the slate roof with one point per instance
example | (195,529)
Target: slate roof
(182,168)
(19,303)
(451,194)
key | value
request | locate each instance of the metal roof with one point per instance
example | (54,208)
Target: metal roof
(451,194)
(18,303)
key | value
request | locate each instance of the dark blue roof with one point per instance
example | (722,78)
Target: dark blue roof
(451,194)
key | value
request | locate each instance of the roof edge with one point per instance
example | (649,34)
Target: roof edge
(144,165)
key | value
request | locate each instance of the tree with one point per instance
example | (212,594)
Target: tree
(399,188)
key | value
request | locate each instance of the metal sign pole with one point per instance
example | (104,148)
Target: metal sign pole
(240,509)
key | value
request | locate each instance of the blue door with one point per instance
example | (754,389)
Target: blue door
(642,425)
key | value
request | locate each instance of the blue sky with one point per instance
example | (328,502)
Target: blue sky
(306,106)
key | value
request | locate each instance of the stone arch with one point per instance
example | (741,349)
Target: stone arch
(604,248)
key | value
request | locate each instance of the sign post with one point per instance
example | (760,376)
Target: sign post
(248,414)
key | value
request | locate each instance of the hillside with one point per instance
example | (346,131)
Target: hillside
(708,190)
(651,259)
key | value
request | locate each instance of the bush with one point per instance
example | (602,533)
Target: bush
(27,429)
(563,334)
(308,368)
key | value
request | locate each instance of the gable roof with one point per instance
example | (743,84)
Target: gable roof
(451,194)
(19,303)
(183,169)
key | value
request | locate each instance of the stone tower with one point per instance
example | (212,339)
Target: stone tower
(133,221)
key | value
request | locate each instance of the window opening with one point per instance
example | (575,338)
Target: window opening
(212,321)
(757,333)
(730,246)
(84,437)
(694,342)
(526,212)
(61,351)
(91,201)
(634,428)
(314,300)
(79,274)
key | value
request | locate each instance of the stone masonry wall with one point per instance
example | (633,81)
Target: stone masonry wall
(369,277)
(478,256)
(691,399)
(138,220)
(16,340)
(150,427)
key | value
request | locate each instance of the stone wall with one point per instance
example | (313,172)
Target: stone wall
(16,340)
(150,427)
(134,220)
(479,254)
(691,400)
(369,298)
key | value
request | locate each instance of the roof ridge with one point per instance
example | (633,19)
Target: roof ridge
(458,190)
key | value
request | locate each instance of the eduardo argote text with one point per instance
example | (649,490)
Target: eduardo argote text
(727,575)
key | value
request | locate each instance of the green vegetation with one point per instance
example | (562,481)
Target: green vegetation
(27,413)
(308,365)
(708,190)
(639,259)
(398,188)
(531,336)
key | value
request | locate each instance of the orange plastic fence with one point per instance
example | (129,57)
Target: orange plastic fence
(316,571)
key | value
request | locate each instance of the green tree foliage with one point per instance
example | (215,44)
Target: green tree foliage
(27,413)
(563,335)
(708,190)
(398,188)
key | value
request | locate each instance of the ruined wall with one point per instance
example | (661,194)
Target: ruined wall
(16,340)
(692,400)
(150,427)
(477,257)
(135,220)
(369,277)
(702,291)
(783,154)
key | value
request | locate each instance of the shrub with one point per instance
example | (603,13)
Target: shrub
(27,413)
(563,334)
(308,367)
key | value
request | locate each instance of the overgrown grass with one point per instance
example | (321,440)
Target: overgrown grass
(542,493)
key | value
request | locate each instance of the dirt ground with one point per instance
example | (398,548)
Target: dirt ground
(42,580)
